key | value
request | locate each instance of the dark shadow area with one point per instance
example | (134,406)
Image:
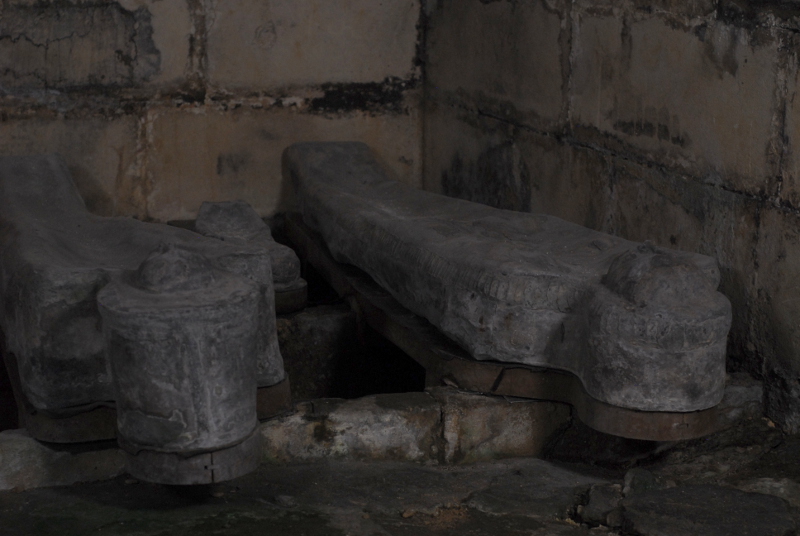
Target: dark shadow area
(9,417)
(329,352)
(380,367)
(580,444)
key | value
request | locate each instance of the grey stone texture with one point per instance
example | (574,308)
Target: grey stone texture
(641,327)
(539,490)
(56,257)
(603,505)
(237,222)
(332,498)
(403,426)
(751,455)
(630,118)
(336,497)
(381,427)
(182,345)
(707,511)
(479,428)
(444,425)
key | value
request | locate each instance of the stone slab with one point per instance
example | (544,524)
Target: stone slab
(408,426)
(707,511)
(392,426)
(326,498)
(444,363)
(482,428)
(539,490)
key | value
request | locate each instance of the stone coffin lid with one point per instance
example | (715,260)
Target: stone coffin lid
(54,258)
(642,327)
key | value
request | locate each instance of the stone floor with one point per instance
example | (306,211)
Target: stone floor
(743,481)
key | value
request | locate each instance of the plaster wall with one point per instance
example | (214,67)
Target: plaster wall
(158,105)
(661,120)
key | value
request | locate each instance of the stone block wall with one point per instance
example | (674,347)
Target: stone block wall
(159,105)
(661,120)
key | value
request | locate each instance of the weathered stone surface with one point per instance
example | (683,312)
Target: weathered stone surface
(27,464)
(638,481)
(539,490)
(238,154)
(522,64)
(56,257)
(479,428)
(283,43)
(328,498)
(99,44)
(710,220)
(678,94)
(785,488)
(642,327)
(182,342)
(753,448)
(707,511)
(390,427)
(237,222)
(603,500)
(744,398)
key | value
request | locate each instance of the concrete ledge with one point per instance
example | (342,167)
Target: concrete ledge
(442,426)
(479,428)
(382,427)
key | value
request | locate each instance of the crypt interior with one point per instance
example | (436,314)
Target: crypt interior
(664,130)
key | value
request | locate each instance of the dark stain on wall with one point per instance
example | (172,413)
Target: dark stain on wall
(386,96)
(498,178)
(46,35)
(231,163)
